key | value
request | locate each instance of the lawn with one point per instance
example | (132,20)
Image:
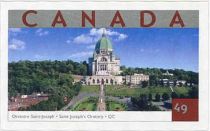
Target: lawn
(181,90)
(115,106)
(87,105)
(112,91)
(89,89)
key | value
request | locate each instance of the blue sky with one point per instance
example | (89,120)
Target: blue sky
(167,48)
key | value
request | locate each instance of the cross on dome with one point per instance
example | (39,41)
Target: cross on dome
(104,32)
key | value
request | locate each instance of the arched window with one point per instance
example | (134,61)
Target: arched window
(107,81)
(98,81)
(93,81)
(103,59)
(111,81)
(102,81)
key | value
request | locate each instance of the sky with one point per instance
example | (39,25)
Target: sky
(167,48)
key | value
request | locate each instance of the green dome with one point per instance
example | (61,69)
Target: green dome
(103,44)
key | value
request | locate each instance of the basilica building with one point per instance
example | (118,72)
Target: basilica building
(104,66)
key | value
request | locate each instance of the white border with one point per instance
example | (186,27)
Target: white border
(203,66)
(104,0)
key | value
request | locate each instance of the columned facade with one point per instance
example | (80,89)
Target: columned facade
(106,80)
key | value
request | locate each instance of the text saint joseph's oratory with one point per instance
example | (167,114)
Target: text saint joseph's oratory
(104,67)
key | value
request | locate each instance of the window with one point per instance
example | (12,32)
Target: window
(111,81)
(103,67)
(103,59)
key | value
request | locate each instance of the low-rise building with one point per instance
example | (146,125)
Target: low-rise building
(180,82)
(166,82)
(136,79)
(25,101)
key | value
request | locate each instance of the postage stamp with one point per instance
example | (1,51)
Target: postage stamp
(104,65)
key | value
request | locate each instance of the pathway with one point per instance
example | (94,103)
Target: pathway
(101,100)
(80,97)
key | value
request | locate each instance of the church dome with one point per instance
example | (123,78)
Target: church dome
(103,44)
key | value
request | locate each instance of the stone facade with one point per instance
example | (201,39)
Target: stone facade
(104,63)
(106,80)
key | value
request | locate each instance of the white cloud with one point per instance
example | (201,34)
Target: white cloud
(16,44)
(15,30)
(83,39)
(121,37)
(91,47)
(41,32)
(81,54)
(94,34)
(117,36)
(99,32)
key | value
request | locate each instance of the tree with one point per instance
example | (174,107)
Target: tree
(150,97)
(144,84)
(193,92)
(51,77)
(182,96)
(174,95)
(165,97)
(157,97)
(152,80)
(141,103)
(26,77)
